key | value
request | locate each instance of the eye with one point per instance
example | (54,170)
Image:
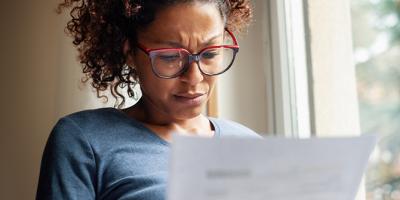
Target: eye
(210,54)
(169,57)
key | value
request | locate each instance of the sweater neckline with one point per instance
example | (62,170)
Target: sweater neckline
(217,131)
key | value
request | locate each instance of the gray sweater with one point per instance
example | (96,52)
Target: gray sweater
(103,154)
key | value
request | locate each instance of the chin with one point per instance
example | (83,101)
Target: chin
(189,114)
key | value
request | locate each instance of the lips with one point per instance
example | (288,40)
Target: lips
(190,95)
(191,98)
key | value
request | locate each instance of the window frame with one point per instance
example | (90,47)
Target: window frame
(288,76)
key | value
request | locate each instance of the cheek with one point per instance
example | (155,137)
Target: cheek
(211,82)
(157,88)
(143,69)
(154,87)
(150,84)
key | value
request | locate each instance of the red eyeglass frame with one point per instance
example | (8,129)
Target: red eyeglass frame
(192,57)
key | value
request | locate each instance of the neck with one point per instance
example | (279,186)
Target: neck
(164,125)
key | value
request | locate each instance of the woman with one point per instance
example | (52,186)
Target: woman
(174,49)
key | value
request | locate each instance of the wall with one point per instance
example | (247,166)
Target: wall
(242,91)
(333,71)
(39,83)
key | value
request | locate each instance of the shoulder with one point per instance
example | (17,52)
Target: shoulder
(98,120)
(230,128)
(95,118)
(79,126)
(97,126)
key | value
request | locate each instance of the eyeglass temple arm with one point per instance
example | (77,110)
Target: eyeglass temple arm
(143,48)
(231,34)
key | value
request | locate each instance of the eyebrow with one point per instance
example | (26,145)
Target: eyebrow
(179,45)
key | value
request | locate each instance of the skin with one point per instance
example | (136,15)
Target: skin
(174,105)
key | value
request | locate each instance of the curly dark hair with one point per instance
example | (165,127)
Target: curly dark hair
(100,29)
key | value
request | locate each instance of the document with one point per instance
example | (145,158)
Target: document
(267,169)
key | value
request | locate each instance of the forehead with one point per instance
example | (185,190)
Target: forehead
(183,22)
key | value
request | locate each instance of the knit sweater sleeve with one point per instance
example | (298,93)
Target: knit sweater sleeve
(68,165)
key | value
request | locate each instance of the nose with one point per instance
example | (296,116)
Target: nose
(192,75)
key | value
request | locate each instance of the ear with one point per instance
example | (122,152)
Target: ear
(128,52)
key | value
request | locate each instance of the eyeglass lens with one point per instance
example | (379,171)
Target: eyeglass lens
(169,63)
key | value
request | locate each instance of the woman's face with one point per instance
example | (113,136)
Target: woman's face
(190,26)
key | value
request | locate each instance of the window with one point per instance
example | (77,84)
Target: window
(376,36)
(326,74)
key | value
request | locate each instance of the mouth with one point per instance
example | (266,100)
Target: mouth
(191,99)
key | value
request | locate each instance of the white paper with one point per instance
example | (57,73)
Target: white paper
(267,169)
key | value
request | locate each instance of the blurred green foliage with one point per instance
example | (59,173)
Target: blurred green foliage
(378,80)
(389,10)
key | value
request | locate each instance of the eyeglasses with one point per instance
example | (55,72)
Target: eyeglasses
(172,62)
